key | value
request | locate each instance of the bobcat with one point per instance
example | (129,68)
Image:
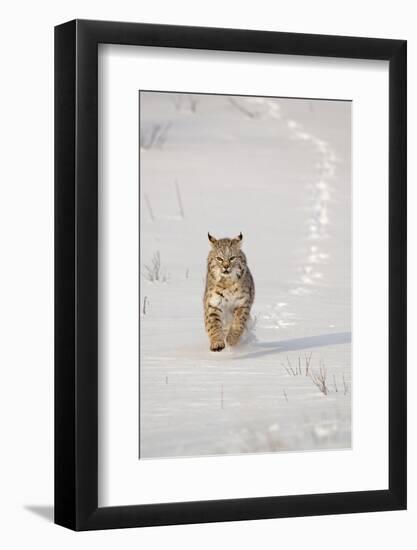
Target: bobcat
(229,292)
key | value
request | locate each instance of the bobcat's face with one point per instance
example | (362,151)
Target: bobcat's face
(225,257)
(226,260)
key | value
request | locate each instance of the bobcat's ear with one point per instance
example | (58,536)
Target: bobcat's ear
(211,239)
(238,239)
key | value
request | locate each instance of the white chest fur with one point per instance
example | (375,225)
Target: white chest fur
(227,299)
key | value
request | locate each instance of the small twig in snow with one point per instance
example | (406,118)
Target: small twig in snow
(320,379)
(308,360)
(154,272)
(193,100)
(294,373)
(345,385)
(148,204)
(155,136)
(241,108)
(179,198)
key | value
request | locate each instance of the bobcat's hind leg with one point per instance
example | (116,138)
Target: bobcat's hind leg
(240,317)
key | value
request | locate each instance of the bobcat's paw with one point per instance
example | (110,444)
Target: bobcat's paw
(217,346)
(232,338)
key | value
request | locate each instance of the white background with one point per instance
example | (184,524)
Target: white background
(26,203)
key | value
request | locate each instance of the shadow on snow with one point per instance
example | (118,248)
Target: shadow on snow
(268,348)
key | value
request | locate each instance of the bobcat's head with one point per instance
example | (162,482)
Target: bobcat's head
(226,260)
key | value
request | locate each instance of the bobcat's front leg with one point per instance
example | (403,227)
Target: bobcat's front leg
(240,316)
(214,327)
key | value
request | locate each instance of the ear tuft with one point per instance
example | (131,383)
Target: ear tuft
(211,239)
(238,239)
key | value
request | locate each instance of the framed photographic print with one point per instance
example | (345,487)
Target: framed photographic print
(230,252)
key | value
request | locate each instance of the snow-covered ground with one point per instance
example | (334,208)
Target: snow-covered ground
(279,171)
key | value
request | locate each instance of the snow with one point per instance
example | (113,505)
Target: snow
(279,171)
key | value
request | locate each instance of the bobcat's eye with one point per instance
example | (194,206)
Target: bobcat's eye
(232,258)
(219,259)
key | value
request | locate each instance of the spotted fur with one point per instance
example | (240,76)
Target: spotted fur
(229,293)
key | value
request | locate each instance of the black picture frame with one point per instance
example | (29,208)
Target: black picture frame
(76,272)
